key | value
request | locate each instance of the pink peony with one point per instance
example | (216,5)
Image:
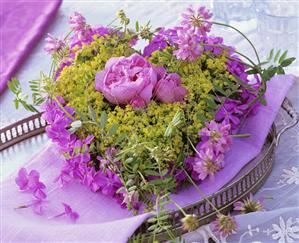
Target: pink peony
(168,88)
(127,80)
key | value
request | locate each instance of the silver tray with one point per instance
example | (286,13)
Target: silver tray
(248,180)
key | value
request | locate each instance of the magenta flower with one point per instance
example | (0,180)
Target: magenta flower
(210,41)
(161,40)
(230,112)
(207,163)
(188,44)
(131,200)
(248,205)
(125,79)
(197,20)
(216,136)
(31,183)
(224,225)
(68,211)
(37,204)
(53,45)
(108,182)
(169,89)
(77,22)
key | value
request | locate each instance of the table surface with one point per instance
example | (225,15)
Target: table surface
(280,221)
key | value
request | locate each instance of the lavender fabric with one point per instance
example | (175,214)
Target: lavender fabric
(101,219)
(22,23)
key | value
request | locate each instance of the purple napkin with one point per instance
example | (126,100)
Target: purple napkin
(101,219)
(22,23)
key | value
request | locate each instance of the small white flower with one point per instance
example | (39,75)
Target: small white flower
(285,232)
(291,176)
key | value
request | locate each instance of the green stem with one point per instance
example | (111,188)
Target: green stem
(226,48)
(241,33)
(201,193)
(245,135)
(65,111)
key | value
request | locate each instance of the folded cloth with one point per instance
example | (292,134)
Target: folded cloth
(101,218)
(22,23)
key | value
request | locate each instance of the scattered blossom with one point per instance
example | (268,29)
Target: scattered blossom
(69,212)
(37,204)
(248,205)
(190,222)
(224,225)
(30,182)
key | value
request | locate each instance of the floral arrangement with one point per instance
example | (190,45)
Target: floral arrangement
(136,125)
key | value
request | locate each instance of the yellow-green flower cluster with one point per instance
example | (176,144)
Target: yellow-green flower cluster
(148,126)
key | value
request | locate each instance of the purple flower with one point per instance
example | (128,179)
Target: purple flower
(237,68)
(37,204)
(53,45)
(188,44)
(160,41)
(230,112)
(131,200)
(125,79)
(197,20)
(224,225)
(216,136)
(31,183)
(210,41)
(77,22)
(68,211)
(108,182)
(248,205)
(179,176)
(169,89)
(207,163)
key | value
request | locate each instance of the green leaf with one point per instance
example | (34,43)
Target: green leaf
(92,113)
(113,129)
(103,119)
(263,101)
(280,70)
(252,71)
(277,55)
(287,62)
(220,90)
(137,26)
(283,56)
(152,220)
(271,54)
(201,117)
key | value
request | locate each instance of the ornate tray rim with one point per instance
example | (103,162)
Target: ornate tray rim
(238,188)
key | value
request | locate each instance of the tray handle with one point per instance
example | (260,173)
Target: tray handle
(289,108)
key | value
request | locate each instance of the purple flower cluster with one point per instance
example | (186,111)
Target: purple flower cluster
(58,121)
(186,38)
(215,142)
(78,164)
